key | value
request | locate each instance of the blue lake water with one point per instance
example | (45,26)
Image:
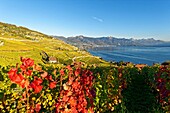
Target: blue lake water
(146,55)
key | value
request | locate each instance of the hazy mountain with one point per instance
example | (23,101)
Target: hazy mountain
(90,42)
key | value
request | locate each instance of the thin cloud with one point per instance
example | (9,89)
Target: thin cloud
(98,19)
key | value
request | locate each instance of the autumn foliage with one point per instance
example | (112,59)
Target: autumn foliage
(32,88)
(68,90)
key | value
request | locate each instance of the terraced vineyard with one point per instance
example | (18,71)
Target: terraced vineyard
(19,41)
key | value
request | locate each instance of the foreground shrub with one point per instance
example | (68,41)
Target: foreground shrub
(144,90)
(108,90)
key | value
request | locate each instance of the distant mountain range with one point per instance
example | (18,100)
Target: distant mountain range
(84,42)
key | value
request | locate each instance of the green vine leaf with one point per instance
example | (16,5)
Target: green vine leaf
(1,95)
(13,85)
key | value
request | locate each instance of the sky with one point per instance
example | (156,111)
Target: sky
(95,18)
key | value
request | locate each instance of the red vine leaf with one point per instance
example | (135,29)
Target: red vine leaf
(52,85)
(37,107)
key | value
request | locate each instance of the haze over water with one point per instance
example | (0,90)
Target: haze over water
(136,55)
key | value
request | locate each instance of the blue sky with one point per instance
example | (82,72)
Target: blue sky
(118,18)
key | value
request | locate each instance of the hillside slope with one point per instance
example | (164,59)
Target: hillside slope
(20,41)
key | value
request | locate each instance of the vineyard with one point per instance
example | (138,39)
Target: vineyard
(77,88)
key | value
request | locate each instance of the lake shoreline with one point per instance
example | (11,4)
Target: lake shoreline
(136,55)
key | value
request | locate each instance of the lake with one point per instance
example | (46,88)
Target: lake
(136,55)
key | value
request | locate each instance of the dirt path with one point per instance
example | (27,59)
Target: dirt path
(73,59)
